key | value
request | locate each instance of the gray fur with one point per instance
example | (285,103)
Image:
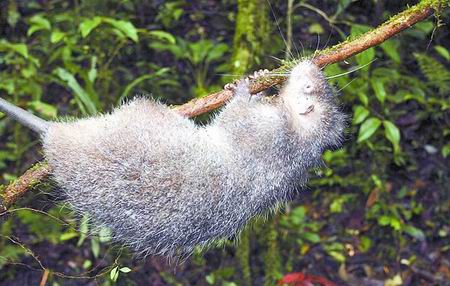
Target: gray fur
(165,185)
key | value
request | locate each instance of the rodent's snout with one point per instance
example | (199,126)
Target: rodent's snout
(304,91)
(305,76)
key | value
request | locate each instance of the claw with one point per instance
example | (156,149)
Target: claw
(259,73)
(230,86)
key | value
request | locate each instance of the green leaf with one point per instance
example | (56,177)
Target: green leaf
(392,133)
(384,220)
(125,27)
(210,279)
(390,47)
(13,16)
(368,128)
(68,236)
(114,274)
(41,226)
(358,29)
(378,87)
(11,253)
(377,181)
(363,98)
(49,111)
(198,51)
(342,5)
(84,228)
(85,103)
(365,58)
(56,36)
(360,114)
(425,26)
(38,23)
(298,215)
(415,232)
(315,29)
(217,52)
(365,244)
(162,35)
(368,55)
(21,49)
(95,247)
(87,264)
(311,237)
(92,74)
(88,25)
(395,223)
(176,50)
(338,256)
(125,269)
(445,150)
(443,52)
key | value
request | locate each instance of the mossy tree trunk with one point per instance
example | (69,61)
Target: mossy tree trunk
(250,40)
(251,34)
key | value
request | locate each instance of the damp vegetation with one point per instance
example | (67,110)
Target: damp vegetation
(375,214)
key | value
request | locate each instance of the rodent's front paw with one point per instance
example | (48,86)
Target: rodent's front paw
(242,87)
(257,74)
(234,85)
(230,86)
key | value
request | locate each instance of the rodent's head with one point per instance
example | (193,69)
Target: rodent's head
(310,102)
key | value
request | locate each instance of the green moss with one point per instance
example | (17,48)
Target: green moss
(243,256)
(272,257)
(37,166)
(250,37)
(437,5)
(250,40)
(2,198)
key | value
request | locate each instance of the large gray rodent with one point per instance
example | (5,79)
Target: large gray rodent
(165,185)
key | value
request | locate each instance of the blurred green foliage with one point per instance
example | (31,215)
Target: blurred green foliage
(377,211)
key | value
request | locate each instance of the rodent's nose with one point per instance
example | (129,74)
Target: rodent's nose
(308,110)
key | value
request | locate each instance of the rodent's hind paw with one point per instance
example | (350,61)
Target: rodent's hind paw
(234,85)
(242,88)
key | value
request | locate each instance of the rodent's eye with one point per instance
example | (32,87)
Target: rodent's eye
(308,88)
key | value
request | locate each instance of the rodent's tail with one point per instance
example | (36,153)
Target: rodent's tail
(24,117)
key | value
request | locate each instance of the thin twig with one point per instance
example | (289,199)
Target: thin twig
(44,277)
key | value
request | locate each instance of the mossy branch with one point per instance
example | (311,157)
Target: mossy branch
(41,171)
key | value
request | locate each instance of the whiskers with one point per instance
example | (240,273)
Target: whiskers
(269,74)
(351,71)
(347,84)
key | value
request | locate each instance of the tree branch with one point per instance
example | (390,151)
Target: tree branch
(41,171)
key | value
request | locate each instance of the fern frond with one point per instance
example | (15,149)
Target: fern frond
(435,72)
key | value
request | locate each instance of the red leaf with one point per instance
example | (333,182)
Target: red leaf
(301,279)
(321,280)
(292,278)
